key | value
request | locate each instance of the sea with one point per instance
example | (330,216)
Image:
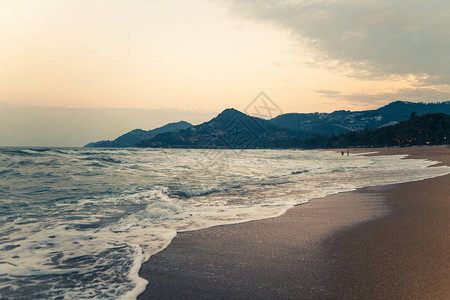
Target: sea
(78,223)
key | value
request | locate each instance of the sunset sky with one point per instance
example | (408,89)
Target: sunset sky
(193,58)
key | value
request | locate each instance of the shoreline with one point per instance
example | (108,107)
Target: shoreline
(321,249)
(405,255)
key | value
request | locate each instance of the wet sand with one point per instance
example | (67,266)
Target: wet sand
(387,242)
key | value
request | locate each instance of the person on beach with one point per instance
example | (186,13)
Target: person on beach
(342,153)
(348,152)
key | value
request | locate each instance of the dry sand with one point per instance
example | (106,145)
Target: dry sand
(389,242)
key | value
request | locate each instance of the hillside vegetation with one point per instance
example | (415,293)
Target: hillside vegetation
(428,129)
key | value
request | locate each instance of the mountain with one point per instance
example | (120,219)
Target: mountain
(135,136)
(343,121)
(236,130)
(230,129)
(428,129)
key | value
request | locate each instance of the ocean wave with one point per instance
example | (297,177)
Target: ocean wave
(80,222)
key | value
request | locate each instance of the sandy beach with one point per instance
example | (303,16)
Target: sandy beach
(385,242)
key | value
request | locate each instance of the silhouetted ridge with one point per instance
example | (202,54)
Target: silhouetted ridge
(234,129)
(229,129)
(428,129)
(130,139)
(343,121)
(229,112)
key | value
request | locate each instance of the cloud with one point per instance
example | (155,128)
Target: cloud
(331,93)
(379,99)
(377,38)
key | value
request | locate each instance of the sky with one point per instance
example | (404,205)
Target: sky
(68,64)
